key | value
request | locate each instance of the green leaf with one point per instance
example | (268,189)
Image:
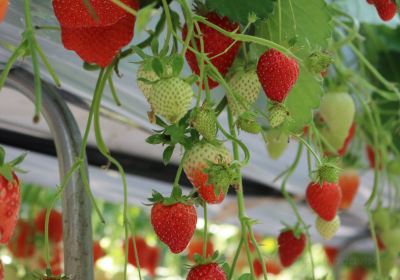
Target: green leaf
(226,268)
(310,23)
(157,139)
(303,98)
(246,276)
(239,10)
(144,17)
(168,154)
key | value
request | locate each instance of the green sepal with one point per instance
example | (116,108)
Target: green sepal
(7,169)
(222,176)
(248,122)
(158,67)
(319,61)
(175,197)
(167,154)
(328,171)
(177,65)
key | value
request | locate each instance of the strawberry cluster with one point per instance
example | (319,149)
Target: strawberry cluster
(148,256)
(386,9)
(95,40)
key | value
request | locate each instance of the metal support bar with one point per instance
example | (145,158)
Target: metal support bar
(76,206)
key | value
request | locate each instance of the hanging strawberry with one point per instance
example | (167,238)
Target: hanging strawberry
(98,40)
(22,245)
(291,244)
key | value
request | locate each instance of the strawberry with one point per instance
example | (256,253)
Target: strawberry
(98,251)
(142,251)
(277,74)
(171,98)
(371,2)
(248,122)
(336,115)
(174,224)
(55,225)
(245,87)
(3,12)
(349,182)
(331,254)
(95,40)
(386,9)
(146,72)
(291,246)
(220,49)
(211,271)
(327,229)
(153,260)
(22,245)
(205,122)
(358,273)
(197,162)
(319,61)
(271,266)
(196,247)
(278,113)
(10,200)
(324,199)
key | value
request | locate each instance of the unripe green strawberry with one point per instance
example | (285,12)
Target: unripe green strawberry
(327,229)
(319,61)
(248,122)
(205,122)
(276,142)
(246,88)
(337,111)
(146,72)
(171,98)
(197,162)
(277,115)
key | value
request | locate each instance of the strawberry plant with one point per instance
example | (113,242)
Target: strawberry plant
(325,90)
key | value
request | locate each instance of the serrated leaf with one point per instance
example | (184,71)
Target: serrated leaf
(168,154)
(144,17)
(310,23)
(239,10)
(303,98)
(156,139)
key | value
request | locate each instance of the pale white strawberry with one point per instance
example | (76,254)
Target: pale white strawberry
(327,229)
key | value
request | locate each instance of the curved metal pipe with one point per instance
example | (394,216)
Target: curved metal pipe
(76,205)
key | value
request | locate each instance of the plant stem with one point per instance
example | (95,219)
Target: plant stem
(205,230)
(235,258)
(240,198)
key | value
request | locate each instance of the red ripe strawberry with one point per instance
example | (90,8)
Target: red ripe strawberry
(325,199)
(174,224)
(10,200)
(196,247)
(22,245)
(153,260)
(348,183)
(55,225)
(215,43)
(277,74)
(271,266)
(98,251)
(3,12)
(95,41)
(386,9)
(290,247)
(197,161)
(371,157)
(347,141)
(56,261)
(331,254)
(358,273)
(142,251)
(211,271)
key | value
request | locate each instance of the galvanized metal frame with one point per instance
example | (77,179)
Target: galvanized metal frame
(76,205)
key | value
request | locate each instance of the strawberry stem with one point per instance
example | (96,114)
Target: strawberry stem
(205,230)
(2,155)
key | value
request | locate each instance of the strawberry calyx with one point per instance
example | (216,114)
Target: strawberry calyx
(328,171)
(297,230)
(319,61)
(248,122)
(7,168)
(175,198)
(278,113)
(222,176)
(201,260)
